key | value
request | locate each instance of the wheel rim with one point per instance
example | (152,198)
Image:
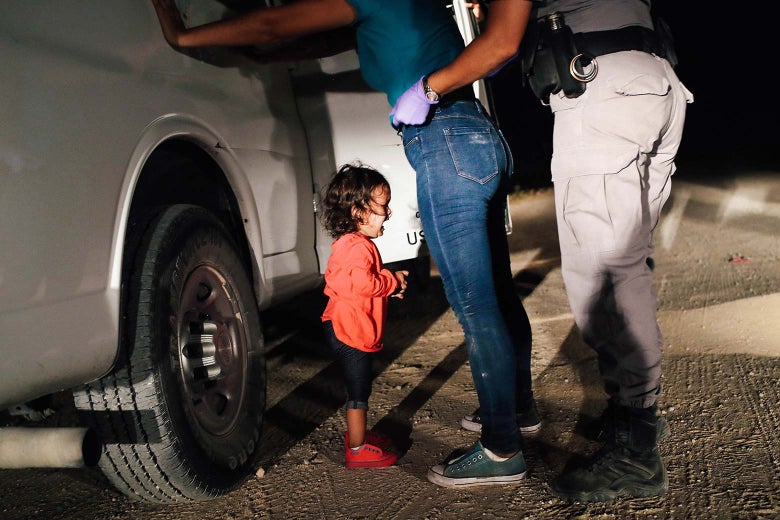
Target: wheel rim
(212,351)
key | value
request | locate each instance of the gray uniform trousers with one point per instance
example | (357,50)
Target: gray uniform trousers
(613,158)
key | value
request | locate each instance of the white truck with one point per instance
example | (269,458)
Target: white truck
(151,205)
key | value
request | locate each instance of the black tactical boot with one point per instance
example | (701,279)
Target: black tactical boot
(602,428)
(627,465)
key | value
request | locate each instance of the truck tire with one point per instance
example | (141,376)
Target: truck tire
(180,414)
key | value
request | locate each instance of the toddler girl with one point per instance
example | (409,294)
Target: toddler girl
(355,206)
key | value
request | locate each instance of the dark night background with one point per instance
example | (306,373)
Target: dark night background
(727,58)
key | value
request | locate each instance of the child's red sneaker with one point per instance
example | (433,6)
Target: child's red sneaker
(369,456)
(377,439)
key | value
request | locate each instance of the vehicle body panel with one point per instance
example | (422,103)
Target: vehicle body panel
(90,90)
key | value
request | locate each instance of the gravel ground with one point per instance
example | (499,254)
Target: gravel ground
(718,278)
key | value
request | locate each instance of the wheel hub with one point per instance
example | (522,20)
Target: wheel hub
(212,351)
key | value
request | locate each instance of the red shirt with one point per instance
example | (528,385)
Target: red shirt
(358,287)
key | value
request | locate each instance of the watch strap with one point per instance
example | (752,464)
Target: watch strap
(431,94)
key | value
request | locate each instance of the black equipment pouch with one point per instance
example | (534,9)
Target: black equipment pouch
(547,57)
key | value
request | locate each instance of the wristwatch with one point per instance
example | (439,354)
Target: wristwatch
(431,94)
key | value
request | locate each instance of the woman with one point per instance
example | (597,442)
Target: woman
(462,165)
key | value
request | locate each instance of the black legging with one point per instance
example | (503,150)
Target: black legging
(356,365)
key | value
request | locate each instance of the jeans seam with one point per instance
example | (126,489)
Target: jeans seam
(456,116)
(412,140)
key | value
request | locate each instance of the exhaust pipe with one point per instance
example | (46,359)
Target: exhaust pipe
(48,448)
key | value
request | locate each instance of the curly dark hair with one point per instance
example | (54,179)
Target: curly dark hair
(350,187)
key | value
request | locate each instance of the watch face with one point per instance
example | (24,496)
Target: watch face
(429,92)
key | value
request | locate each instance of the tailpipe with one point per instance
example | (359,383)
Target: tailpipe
(48,447)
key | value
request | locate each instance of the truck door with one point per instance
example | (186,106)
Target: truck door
(347,121)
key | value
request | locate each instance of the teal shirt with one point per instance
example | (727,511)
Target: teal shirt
(399,41)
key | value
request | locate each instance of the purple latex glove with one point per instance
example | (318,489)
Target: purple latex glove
(412,107)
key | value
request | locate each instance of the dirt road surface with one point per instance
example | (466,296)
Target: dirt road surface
(718,279)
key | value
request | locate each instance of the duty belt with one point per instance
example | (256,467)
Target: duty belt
(554,59)
(632,38)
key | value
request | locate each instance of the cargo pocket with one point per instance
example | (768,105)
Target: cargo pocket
(473,152)
(582,161)
(607,212)
(586,214)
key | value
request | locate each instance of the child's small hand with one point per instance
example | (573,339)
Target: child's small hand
(401,277)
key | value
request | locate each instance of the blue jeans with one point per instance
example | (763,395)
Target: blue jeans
(462,165)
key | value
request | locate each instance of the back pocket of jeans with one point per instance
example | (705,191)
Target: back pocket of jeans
(473,152)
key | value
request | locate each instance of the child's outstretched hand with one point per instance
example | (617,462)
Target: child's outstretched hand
(401,277)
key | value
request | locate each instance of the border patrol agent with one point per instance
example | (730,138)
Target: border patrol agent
(614,144)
